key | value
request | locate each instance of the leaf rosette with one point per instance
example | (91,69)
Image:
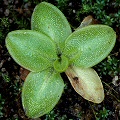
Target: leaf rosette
(51,48)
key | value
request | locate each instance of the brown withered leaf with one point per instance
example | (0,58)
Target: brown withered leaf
(86,83)
(23,73)
(89,20)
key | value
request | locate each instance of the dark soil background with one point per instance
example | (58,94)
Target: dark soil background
(16,14)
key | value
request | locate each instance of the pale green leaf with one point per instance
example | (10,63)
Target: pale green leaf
(31,49)
(86,82)
(48,19)
(89,45)
(41,92)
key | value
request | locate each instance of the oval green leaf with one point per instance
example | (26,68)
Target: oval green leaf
(41,92)
(90,45)
(31,49)
(50,20)
(87,83)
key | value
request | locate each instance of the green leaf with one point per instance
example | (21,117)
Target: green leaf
(89,45)
(87,83)
(31,49)
(61,64)
(50,20)
(41,92)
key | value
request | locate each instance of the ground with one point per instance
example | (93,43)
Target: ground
(16,14)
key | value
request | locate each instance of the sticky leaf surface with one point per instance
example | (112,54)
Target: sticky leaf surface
(87,83)
(41,92)
(90,45)
(31,49)
(50,20)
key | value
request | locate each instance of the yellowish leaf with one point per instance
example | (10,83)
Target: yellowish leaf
(87,83)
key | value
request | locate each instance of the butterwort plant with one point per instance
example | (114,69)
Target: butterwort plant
(50,48)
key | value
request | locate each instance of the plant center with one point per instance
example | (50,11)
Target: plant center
(61,64)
